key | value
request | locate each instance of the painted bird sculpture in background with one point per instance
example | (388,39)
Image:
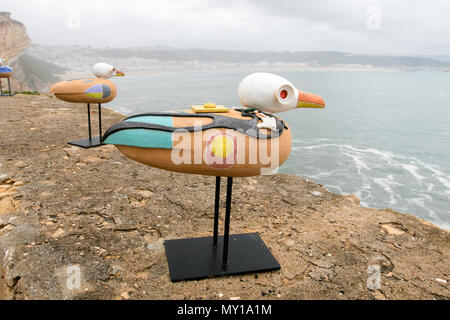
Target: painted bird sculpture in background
(93,90)
(5,72)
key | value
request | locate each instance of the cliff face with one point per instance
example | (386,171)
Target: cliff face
(30,74)
(13,38)
(13,42)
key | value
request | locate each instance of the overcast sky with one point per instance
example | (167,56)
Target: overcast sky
(407,27)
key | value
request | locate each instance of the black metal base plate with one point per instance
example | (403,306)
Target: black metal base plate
(197,258)
(8,95)
(86,143)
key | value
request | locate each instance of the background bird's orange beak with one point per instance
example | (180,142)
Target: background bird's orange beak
(309,100)
(120,73)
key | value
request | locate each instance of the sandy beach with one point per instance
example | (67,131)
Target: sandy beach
(95,210)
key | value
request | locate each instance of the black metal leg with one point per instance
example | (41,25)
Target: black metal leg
(226,234)
(9,87)
(90,142)
(216,212)
(89,121)
(1,86)
(100,121)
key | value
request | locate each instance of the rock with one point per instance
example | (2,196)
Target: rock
(125,296)
(73,151)
(250,187)
(441,280)
(7,205)
(59,232)
(22,234)
(7,191)
(290,274)
(21,164)
(391,230)
(322,263)
(235,298)
(156,246)
(321,274)
(353,198)
(378,295)
(47,182)
(145,193)
(316,194)
(3,178)
(288,242)
(4,188)
(93,159)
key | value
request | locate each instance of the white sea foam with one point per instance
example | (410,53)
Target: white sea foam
(413,171)
(334,188)
(444,182)
(360,164)
(442,177)
(322,174)
(384,183)
(409,187)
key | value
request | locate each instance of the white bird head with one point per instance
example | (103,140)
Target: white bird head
(271,93)
(106,71)
(2,62)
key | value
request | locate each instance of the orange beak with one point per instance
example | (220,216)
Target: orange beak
(309,100)
(120,73)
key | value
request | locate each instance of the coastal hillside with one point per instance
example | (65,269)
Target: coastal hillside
(65,209)
(30,73)
(79,59)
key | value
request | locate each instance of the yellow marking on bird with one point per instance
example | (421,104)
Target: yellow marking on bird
(222,147)
(209,107)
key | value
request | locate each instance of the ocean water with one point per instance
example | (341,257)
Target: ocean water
(384,136)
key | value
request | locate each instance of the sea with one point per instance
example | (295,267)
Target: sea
(384,135)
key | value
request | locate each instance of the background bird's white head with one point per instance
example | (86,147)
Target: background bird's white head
(106,71)
(271,93)
(2,62)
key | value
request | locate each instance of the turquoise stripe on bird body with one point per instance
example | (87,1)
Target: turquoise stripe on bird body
(144,138)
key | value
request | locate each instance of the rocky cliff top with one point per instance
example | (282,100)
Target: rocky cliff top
(65,208)
(29,73)
(13,38)
(6,16)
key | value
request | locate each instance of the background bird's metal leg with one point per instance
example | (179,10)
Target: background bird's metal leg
(216,212)
(1,86)
(226,234)
(9,87)
(100,121)
(89,121)
(90,142)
